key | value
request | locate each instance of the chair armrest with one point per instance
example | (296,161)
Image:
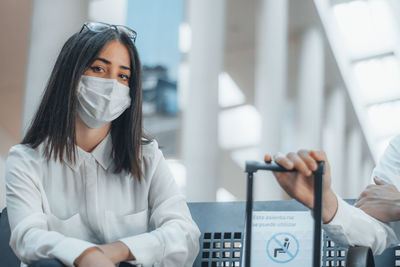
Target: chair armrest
(360,257)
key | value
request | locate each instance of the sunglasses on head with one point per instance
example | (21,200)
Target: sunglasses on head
(101,26)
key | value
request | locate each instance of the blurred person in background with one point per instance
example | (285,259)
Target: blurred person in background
(85,182)
(374,220)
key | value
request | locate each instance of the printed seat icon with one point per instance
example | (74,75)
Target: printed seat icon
(282,250)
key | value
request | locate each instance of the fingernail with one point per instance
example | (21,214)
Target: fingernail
(315,166)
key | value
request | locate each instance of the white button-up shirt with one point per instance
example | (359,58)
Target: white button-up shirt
(59,209)
(352,226)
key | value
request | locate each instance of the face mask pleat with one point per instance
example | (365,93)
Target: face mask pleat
(101,100)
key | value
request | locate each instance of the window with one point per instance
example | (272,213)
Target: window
(367,26)
(370,36)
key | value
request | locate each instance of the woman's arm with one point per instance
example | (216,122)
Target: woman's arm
(353,227)
(117,252)
(30,238)
(93,257)
(381,201)
(175,238)
(364,224)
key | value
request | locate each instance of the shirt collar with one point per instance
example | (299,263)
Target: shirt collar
(102,154)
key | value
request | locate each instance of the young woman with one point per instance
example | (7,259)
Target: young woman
(374,220)
(85,183)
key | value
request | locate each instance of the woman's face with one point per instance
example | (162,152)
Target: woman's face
(113,62)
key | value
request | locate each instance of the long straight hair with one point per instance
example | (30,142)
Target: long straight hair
(54,121)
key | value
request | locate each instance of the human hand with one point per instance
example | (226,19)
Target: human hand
(380,201)
(300,184)
(117,252)
(93,257)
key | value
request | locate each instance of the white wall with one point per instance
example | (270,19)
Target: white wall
(46,42)
(109,11)
(2,184)
(5,143)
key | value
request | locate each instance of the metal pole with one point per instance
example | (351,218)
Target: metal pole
(318,188)
(249,211)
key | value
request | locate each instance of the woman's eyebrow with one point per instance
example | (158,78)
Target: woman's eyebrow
(108,63)
(124,67)
(103,59)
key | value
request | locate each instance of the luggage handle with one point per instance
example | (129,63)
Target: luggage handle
(254,166)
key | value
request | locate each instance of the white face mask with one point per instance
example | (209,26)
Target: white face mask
(101,100)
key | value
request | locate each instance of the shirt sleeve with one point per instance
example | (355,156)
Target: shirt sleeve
(353,227)
(388,167)
(30,238)
(175,238)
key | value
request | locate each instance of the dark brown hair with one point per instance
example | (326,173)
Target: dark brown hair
(54,121)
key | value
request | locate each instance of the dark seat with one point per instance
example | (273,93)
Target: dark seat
(7,256)
(222,239)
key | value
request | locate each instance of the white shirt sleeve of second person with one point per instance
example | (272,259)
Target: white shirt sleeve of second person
(353,227)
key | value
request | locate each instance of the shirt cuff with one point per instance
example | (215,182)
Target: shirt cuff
(342,214)
(68,250)
(341,221)
(146,248)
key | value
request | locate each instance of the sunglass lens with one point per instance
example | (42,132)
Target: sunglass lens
(131,34)
(100,26)
(97,26)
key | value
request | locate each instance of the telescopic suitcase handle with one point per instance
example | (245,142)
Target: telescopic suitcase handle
(254,166)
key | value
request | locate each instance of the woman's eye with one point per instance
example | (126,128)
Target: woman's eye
(124,77)
(97,69)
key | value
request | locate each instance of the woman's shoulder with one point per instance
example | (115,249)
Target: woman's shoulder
(392,150)
(151,156)
(388,167)
(395,142)
(150,148)
(24,153)
(23,161)
(25,150)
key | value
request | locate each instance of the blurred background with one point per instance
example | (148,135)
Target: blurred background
(226,81)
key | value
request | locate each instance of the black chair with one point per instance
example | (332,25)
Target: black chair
(222,226)
(7,256)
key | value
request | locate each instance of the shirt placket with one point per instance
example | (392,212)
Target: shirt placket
(91,200)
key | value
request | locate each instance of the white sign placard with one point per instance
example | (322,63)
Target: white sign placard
(282,238)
